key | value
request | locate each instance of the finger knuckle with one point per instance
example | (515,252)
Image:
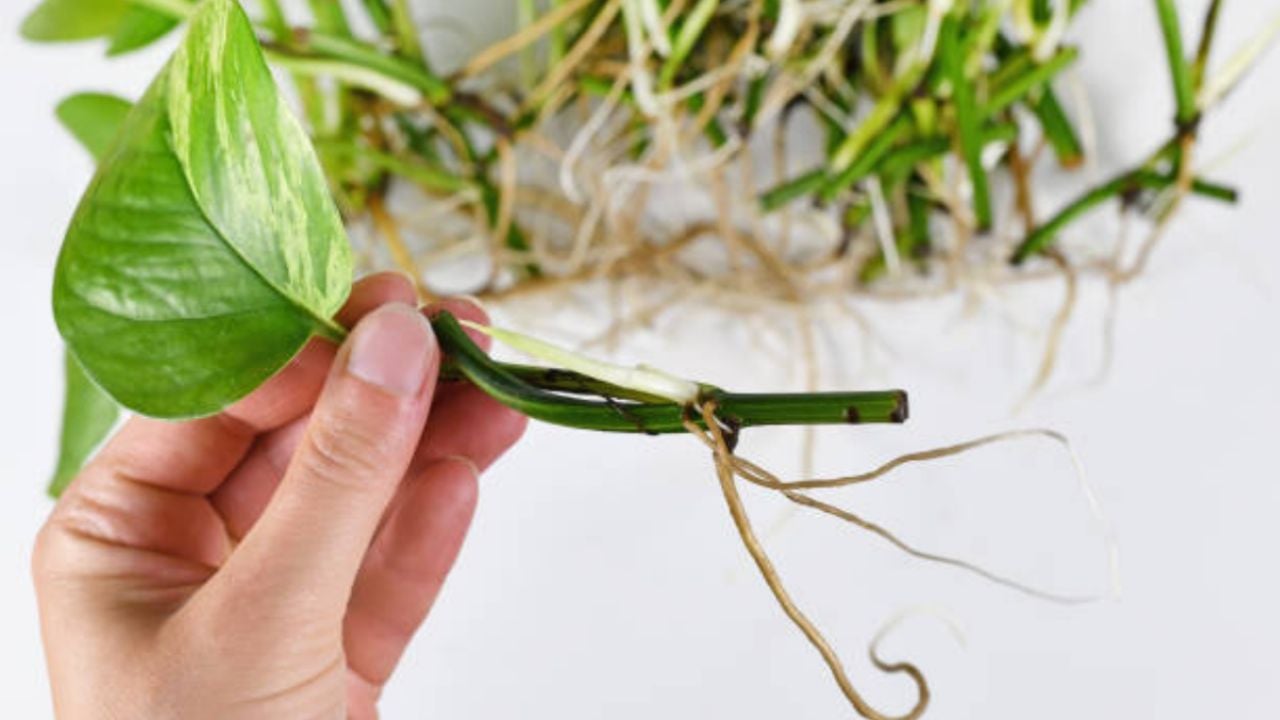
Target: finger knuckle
(344,452)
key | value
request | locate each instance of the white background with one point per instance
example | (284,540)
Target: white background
(603,578)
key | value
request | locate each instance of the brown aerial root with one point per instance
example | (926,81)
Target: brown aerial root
(613,162)
(389,229)
(728,485)
(1057,329)
(588,40)
(729,467)
(517,42)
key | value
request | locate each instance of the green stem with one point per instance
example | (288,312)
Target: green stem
(1207,34)
(695,21)
(907,157)
(274,19)
(557,43)
(867,160)
(407,31)
(984,35)
(379,14)
(355,52)
(277,25)
(331,18)
(879,157)
(786,192)
(561,380)
(968,120)
(1058,129)
(514,386)
(852,408)
(431,177)
(1037,75)
(1179,70)
(330,330)
(390,88)
(914,243)
(350,60)
(881,115)
(1054,122)
(1142,179)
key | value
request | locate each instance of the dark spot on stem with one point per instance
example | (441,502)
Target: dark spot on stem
(902,411)
(1130,195)
(1189,128)
(852,416)
(731,431)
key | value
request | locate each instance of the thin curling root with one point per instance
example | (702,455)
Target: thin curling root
(728,485)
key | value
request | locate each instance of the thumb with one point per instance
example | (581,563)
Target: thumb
(359,441)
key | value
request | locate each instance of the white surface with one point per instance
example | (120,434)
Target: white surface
(603,577)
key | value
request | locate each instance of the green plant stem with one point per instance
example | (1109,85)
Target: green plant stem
(1058,129)
(276,23)
(355,52)
(760,410)
(914,243)
(561,380)
(514,386)
(407,32)
(330,18)
(428,176)
(875,123)
(352,60)
(906,158)
(358,75)
(329,330)
(985,34)
(687,36)
(878,158)
(1054,122)
(867,160)
(379,14)
(968,120)
(794,189)
(1207,33)
(1037,75)
(274,19)
(1042,237)
(557,44)
(1179,70)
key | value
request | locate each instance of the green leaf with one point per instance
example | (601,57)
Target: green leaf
(138,28)
(68,20)
(129,26)
(93,119)
(207,250)
(88,414)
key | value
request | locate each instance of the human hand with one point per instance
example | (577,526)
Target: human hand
(272,561)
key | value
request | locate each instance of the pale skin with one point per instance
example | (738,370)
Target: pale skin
(275,560)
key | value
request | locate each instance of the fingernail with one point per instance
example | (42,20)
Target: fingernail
(392,348)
